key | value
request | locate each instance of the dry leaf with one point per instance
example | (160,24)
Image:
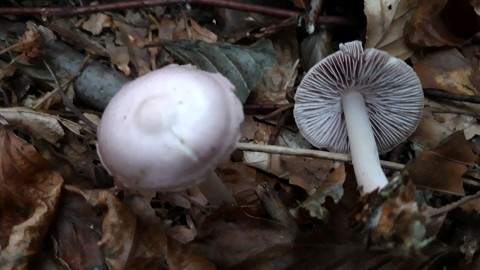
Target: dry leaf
(184,258)
(229,236)
(133,238)
(307,173)
(448,70)
(436,127)
(279,78)
(441,169)
(443,23)
(392,218)
(193,31)
(165,28)
(119,57)
(330,186)
(37,124)
(385,25)
(134,39)
(236,24)
(76,232)
(96,23)
(30,191)
(240,180)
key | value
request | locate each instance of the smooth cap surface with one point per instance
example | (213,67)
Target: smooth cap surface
(391,89)
(167,129)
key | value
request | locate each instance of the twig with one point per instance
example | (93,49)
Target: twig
(264,108)
(48,12)
(68,103)
(280,110)
(449,207)
(275,149)
(12,47)
(278,128)
(436,93)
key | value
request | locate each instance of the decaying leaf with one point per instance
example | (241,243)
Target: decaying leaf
(435,127)
(448,70)
(315,47)
(236,24)
(193,31)
(76,232)
(385,25)
(392,218)
(240,180)
(134,39)
(441,169)
(120,57)
(184,258)
(29,191)
(133,237)
(280,78)
(97,22)
(330,186)
(229,236)
(443,23)
(244,66)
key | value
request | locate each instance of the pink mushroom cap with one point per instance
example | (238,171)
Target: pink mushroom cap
(167,129)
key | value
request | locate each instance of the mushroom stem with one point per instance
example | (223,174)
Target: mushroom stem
(214,190)
(363,147)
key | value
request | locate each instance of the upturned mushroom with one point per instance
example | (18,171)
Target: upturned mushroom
(356,100)
(169,129)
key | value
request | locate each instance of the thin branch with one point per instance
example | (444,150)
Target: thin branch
(432,212)
(275,149)
(48,12)
(264,108)
(68,103)
(436,93)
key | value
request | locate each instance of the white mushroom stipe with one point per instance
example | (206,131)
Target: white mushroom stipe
(355,94)
(168,130)
(363,148)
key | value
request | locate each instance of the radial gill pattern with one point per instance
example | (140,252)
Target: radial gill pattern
(392,92)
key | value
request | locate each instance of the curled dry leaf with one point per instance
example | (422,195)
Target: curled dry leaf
(132,237)
(39,125)
(29,191)
(443,23)
(385,25)
(441,169)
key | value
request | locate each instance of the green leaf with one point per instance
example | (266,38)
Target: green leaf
(244,66)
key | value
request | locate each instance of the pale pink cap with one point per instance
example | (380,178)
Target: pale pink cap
(167,129)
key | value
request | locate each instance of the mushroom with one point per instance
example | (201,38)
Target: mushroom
(169,129)
(369,95)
